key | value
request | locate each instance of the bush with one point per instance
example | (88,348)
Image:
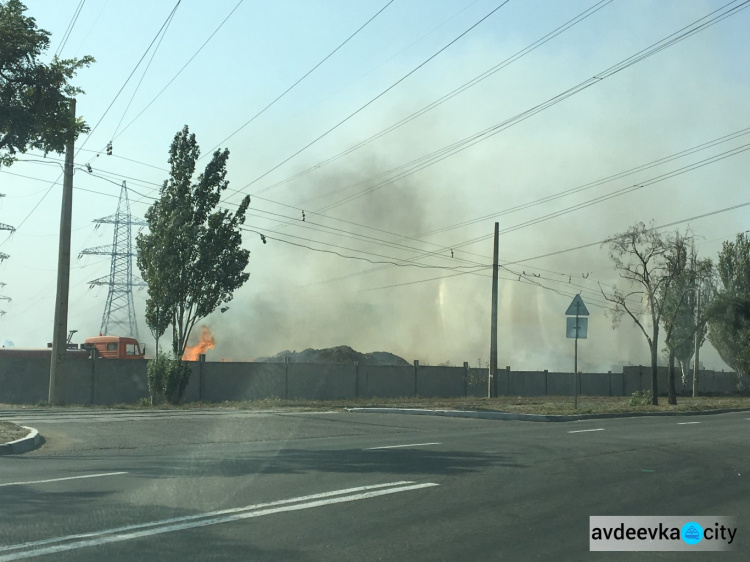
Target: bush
(167,379)
(641,398)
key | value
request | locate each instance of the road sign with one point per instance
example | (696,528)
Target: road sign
(577,308)
(581,329)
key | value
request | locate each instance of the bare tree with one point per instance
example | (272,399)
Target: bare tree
(642,257)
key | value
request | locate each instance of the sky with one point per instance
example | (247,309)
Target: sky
(310,120)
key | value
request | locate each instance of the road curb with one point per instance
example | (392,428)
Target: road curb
(485,415)
(23,445)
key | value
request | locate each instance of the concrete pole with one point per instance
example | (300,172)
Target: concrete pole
(575,365)
(493,328)
(59,335)
(697,340)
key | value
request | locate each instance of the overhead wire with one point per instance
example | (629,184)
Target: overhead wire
(450,95)
(69,29)
(290,88)
(145,71)
(106,111)
(378,96)
(427,160)
(184,66)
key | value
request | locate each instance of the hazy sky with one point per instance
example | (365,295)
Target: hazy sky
(682,97)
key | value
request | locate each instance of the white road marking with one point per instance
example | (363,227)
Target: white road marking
(202,520)
(61,479)
(686,423)
(585,430)
(400,446)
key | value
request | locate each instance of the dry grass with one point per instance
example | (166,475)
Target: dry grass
(10,432)
(545,405)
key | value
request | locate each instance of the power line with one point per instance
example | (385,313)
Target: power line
(145,71)
(184,66)
(429,159)
(450,95)
(381,94)
(582,246)
(298,81)
(158,34)
(69,29)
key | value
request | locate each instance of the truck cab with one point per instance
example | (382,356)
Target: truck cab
(115,347)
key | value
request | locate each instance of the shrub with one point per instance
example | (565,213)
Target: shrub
(641,398)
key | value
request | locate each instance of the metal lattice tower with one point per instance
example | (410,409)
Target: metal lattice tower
(119,311)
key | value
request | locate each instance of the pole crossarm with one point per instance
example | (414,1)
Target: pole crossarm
(4,226)
(97,251)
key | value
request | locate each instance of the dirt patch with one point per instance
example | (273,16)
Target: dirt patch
(10,432)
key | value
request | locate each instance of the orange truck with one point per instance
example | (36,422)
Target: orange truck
(106,347)
(115,347)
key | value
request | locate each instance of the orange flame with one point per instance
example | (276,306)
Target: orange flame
(206,342)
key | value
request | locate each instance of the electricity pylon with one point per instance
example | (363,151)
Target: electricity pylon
(119,311)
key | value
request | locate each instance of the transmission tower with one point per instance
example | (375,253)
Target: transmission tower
(119,311)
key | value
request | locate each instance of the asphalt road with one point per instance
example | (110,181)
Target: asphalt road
(216,485)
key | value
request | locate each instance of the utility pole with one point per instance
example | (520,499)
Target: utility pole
(59,336)
(493,330)
(697,340)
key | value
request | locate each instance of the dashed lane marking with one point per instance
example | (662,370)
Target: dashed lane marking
(98,475)
(585,430)
(400,446)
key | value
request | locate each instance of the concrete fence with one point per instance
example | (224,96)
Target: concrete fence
(106,382)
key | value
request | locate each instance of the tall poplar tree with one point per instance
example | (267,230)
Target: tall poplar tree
(192,257)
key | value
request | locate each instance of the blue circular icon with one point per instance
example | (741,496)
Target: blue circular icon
(691,533)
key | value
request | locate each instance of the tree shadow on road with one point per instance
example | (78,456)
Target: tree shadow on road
(420,461)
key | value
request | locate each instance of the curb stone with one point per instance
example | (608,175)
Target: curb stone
(22,445)
(486,415)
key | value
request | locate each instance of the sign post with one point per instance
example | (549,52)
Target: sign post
(576,328)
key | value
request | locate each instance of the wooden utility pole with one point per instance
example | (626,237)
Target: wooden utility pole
(492,379)
(59,341)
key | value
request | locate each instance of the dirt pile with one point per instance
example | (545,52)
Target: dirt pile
(340,354)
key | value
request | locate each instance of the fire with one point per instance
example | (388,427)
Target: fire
(206,342)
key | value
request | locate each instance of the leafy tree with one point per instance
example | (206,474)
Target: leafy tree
(641,257)
(680,305)
(34,96)
(729,314)
(191,258)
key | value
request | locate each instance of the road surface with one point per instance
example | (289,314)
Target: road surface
(228,485)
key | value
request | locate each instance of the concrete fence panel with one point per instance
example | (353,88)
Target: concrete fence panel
(120,382)
(385,381)
(310,381)
(528,383)
(24,381)
(242,381)
(595,384)
(441,382)
(560,384)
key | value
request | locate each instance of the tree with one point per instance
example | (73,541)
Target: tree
(640,256)
(191,258)
(34,96)
(679,318)
(729,314)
